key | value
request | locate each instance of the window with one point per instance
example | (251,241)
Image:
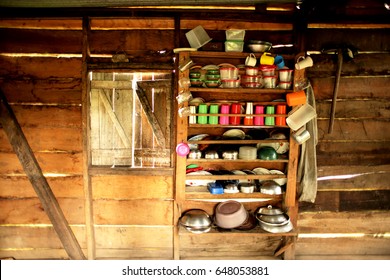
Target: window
(130,119)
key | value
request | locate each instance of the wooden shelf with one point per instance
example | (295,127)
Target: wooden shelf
(205,160)
(235,232)
(230,55)
(241,90)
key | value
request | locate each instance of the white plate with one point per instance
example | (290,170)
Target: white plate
(196,138)
(210,67)
(196,101)
(239,172)
(280,181)
(198,182)
(261,171)
(234,133)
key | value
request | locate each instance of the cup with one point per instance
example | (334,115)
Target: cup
(303,62)
(192,119)
(279,61)
(269,81)
(296,98)
(259,120)
(301,116)
(301,136)
(213,110)
(225,108)
(235,108)
(250,60)
(202,109)
(281,110)
(267,59)
(285,75)
(249,111)
(270,120)
(284,85)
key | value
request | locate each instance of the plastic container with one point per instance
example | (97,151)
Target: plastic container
(228,73)
(197,37)
(234,46)
(235,34)
(301,116)
(296,98)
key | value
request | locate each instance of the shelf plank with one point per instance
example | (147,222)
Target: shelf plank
(208,195)
(236,177)
(241,142)
(242,90)
(205,160)
(234,232)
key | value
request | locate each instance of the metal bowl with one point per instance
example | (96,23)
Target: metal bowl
(276,229)
(270,187)
(259,46)
(274,220)
(196,219)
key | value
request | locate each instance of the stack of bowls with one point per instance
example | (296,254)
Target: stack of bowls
(230,214)
(273,220)
(195,78)
(213,78)
(196,221)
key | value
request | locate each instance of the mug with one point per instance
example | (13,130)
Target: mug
(301,116)
(279,61)
(235,108)
(202,109)
(296,98)
(225,108)
(258,111)
(249,111)
(303,62)
(213,110)
(267,59)
(270,120)
(285,75)
(301,136)
(250,60)
(281,110)
(192,119)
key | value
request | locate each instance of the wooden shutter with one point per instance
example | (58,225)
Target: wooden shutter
(130,129)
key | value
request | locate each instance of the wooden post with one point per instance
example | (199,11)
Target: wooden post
(89,222)
(34,173)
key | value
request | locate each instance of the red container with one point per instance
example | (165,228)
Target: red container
(280,109)
(235,108)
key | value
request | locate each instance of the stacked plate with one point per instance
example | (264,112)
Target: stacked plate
(247,152)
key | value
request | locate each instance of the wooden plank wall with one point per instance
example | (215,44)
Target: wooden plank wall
(350,218)
(133,215)
(41,77)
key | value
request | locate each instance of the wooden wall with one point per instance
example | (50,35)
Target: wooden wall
(352,206)
(133,216)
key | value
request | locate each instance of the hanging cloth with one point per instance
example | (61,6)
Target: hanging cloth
(307,166)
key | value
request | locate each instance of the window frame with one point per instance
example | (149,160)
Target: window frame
(107,170)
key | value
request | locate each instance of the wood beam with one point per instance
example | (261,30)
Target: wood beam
(34,173)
